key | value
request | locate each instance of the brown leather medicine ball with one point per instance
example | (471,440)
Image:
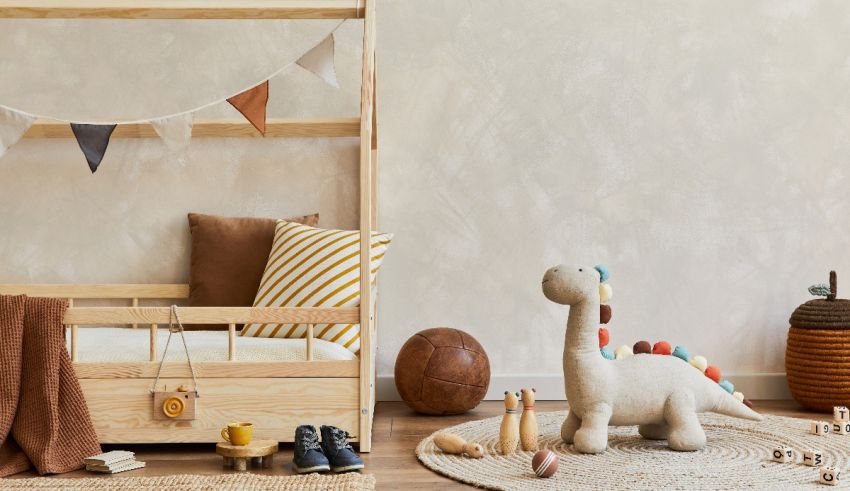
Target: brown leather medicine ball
(442,371)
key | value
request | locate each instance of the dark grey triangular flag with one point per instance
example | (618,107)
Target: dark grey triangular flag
(93,140)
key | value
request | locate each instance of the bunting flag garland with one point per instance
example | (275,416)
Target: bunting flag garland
(13,125)
(176,131)
(252,104)
(93,140)
(320,61)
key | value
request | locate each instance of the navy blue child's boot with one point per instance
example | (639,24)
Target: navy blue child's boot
(308,454)
(338,450)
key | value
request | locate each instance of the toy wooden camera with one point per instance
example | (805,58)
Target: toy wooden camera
(176,405)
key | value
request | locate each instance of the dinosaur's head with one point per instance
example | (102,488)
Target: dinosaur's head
(570,285)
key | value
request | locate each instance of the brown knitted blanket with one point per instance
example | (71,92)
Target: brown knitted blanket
(44,420)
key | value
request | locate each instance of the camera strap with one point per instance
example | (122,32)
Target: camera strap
(178,328)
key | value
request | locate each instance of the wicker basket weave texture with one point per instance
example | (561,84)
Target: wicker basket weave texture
(817,355)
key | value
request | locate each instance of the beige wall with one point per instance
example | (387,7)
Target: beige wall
(697,148)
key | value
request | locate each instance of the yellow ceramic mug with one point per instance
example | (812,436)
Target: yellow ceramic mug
(238,433)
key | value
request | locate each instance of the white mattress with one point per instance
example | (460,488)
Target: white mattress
(117,344)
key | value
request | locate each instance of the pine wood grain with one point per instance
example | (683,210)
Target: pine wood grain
(367,197)
(111,316)
(179,9)
(123,411)
(275,128)
(220,369)
(98,291)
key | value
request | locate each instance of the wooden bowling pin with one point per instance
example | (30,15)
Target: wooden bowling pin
(509,431)
(528,422)
(453,444)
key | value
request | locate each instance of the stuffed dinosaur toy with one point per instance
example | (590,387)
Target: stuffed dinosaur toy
(661,394)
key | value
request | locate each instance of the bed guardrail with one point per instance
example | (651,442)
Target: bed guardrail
(136,315)
(155,316)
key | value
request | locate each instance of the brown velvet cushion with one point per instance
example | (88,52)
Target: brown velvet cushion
(229,255)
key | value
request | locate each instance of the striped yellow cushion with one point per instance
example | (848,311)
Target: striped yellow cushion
(314,267)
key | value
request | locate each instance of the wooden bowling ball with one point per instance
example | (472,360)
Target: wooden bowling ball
(442,371)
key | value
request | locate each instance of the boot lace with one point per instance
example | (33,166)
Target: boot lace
(310,441)
(340,438)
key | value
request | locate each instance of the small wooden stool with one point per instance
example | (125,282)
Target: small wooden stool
(259,452)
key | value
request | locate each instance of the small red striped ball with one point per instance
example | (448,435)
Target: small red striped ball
(544,463)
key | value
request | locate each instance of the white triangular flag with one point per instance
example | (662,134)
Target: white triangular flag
(320,61)
(13,125)
(175,131)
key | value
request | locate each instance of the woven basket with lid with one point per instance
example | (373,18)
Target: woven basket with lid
(817,356)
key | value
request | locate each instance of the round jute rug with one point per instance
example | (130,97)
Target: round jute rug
(737,456)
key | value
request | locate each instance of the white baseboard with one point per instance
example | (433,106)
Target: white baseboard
(770,386)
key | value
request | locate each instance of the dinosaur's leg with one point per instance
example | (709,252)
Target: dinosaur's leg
(654,431)
(686,433)
(592,437)
(569,427)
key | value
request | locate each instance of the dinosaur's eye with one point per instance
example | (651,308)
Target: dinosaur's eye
(580,270)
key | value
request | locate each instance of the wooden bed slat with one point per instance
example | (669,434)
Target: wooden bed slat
(180,9)
(152,343)
(275,128)
(141,291)
(219,369)
(111,316)
(231,342)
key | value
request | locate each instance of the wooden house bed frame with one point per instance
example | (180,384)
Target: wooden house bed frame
(276,396)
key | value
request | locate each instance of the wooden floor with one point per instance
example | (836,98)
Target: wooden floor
(397,430)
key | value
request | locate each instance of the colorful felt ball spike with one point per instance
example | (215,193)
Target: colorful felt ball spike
(642,347)
(604,337)
(682,352)
(605,292)
(622,352)
(699,362)
(662,348)
(607,353)
(604,313)
(738,395)
(604,274)
(713,373)
(727,386)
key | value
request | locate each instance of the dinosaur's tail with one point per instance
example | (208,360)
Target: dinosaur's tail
(728,405)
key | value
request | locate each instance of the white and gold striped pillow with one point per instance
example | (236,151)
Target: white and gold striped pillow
(314,267)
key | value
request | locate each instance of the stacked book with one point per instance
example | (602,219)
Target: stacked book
(112,462)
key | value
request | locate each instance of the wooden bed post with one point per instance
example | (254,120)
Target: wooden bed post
(367,362)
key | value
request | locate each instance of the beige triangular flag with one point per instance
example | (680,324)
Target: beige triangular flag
(320,61)
(13,125)
(175,131)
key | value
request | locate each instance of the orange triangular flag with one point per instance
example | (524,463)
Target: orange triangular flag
(252,104)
